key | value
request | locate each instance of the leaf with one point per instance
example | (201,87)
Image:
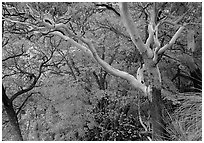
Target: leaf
(191,40)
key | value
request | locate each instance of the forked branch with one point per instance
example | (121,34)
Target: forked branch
(91,51)
(172,41)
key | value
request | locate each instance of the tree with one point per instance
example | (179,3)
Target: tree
(151,52)
(159,18)
(23,66)
(24,75)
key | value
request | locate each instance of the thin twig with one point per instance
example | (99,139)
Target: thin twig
(141,122)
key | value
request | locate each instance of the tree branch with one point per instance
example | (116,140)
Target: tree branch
(19,109)
(109,8)
(114,71)
(93,53)
(79,46)
(151,34)
(176,21)
(68,64)
(11,57)
(32,85)
(131,28)
(24,90)
(171,42)
(114,54)
(5,99)
(97,78)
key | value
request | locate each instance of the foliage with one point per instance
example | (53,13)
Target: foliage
(116,123)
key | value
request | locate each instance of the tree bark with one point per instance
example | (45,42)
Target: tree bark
(158,125)
(16,132)
(153,80)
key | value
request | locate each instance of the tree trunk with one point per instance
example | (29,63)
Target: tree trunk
(16,132)
(153,79)
(101,80)
(158,126)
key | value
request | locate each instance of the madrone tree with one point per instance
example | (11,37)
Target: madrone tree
(148,79)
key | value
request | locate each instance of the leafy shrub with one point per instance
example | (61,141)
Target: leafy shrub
(114,122)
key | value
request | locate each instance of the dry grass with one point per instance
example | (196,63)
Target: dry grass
(187,119)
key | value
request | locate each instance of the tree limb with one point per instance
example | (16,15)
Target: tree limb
(131,28)
(19,109)
(24,90)
(172,41)
(11,57)
(96,77)
(5,98)
(32,85)
(68,64)
(109,8)
(176,21)
(114,71)
(79,46)
(93,53)
(151,34)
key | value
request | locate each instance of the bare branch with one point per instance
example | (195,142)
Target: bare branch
(173,39)
(114,54)
(7,75)
(35,79)
(19,109)
(151,34)
(69,65)
(5,99)
(5,42)
(182,16)
(62,31)
(109,7)
(176,21)
(114,71)
(19,22)
(131,28)
(96,77)
(66,38)
(140,119)
(24,90)
(11,57)
(93,53)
